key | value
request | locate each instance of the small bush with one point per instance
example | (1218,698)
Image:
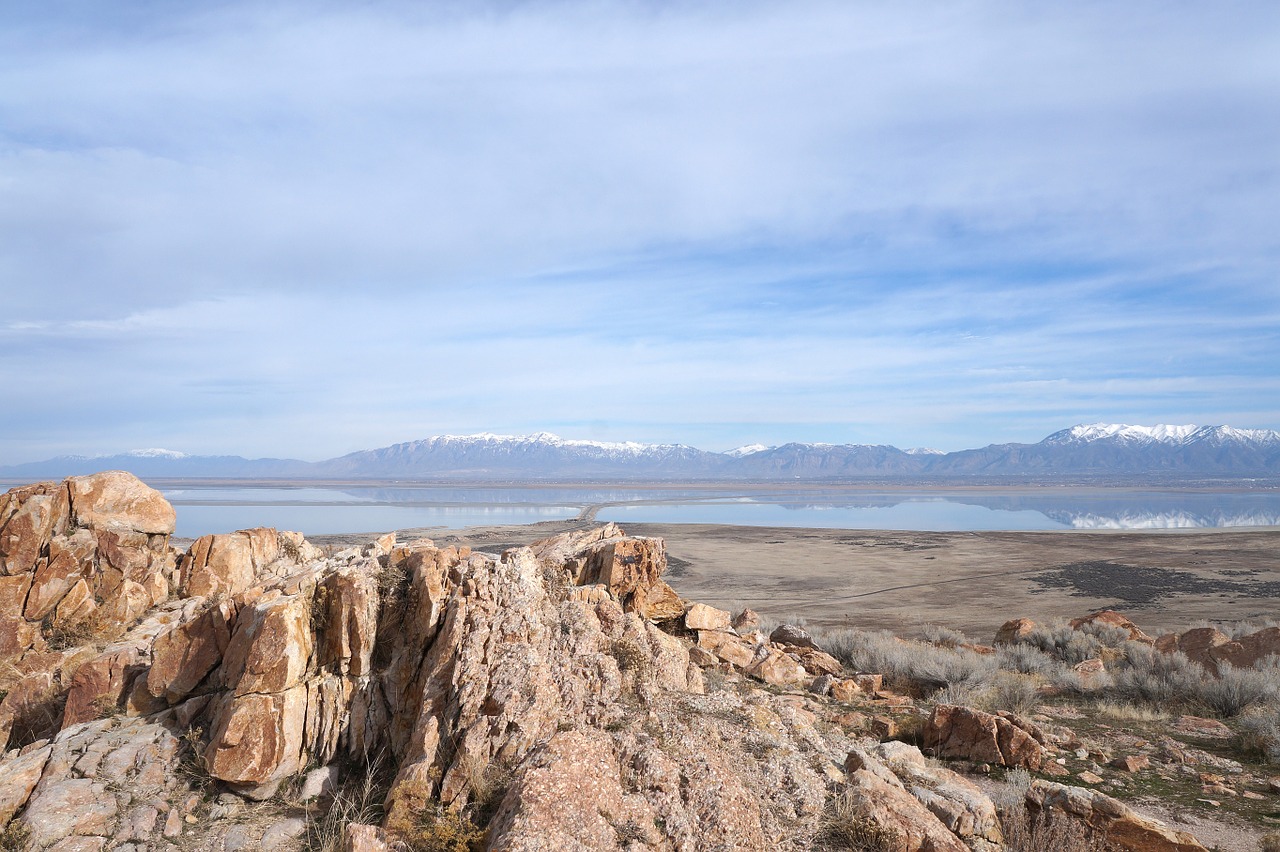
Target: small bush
(843,826)
(359,801)
(1026,659)
(1151,677)
(1236,690)
(913,666)
(1015,693)
(1270,842)
(944,636)
(1044,832)
(15,837)
(1260,734)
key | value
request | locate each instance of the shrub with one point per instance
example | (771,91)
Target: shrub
(1026,659)
(1236,690)
(359,801)
(1151,677)
(844,826)
(1015,693)
(1044,831)
(913,665)
(1260,733)
(944,636)
(1270,842)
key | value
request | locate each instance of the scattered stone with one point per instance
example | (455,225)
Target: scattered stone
(1131,763)
(1005,740)
(1089,777)
(1014,631)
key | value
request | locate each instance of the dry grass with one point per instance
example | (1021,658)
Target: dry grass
(844,826)
(1119,711)
(1045,832)
(357,802)
(1270,842)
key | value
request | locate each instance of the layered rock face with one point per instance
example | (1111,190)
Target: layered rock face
(562,690)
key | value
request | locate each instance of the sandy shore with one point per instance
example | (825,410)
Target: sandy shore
(972,581)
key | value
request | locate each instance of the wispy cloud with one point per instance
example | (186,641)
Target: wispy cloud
(307,228)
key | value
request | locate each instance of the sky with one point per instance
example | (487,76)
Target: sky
(303,229)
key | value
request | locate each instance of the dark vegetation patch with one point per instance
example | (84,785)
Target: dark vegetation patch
(1137,585)
(676,567)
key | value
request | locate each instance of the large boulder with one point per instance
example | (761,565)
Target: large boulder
(1003,740)
(1111,618)
(116,500)
(1118,824)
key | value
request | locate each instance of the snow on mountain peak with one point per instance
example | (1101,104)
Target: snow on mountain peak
(1163,433)
(924,451)
(156,453)
(747,450)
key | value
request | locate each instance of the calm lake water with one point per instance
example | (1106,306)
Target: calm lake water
(317,511)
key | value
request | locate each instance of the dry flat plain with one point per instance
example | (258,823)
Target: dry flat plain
(971,581)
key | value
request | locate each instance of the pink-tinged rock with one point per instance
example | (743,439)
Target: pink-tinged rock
(1014,631)
(1197,644)
(271,645)
(16,633)
(20,774)
(1117,824)
(73,806)
(884,802)
(41,512)
(259,738)
(218,564)
(350,601)
(30,703)
(702,617)
(727,647)
(746,621)
(658,602)
(100,685)
(1131,763)
(1111,618)
(70,560)
(119,500)
(570,797)
(364,838)
(1247,651)
(820,662)
(778,669)
(184,655)
(954,731)
(1200,727)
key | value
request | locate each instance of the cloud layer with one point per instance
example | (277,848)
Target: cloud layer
(310,229)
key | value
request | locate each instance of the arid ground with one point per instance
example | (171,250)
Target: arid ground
(971,581)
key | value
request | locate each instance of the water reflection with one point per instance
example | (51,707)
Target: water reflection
(353,509)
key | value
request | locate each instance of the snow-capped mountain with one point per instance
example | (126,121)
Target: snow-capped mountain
(1086,450)
(541,455)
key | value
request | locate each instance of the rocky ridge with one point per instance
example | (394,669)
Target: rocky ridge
(560,695)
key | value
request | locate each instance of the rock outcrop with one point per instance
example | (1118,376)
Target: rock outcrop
(561,694)
(1115,822)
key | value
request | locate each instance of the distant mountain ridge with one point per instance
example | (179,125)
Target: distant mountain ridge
(1087,449)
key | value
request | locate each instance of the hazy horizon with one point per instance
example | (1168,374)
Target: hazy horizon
(302,230)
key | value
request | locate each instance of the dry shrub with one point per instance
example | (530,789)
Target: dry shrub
(1048,831)
(844,826)
(15,837)
(438,829)
(1121,712)
(1236,690)
(912,666)
(1260,734)
(1270,842)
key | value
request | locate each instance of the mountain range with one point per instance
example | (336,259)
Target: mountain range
(1085,450)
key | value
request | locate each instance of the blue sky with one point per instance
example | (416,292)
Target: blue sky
(304,229)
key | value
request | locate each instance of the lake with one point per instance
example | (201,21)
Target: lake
(355,509)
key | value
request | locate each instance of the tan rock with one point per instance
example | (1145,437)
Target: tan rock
(70,560)
(271,646)
(259,738)
(778,669)
(702,617)
(16,633)
(845,689)
(888,805)
(571,796)
(20,774)
(727,647)
(364,838)
(1131,763)
(184,655)
(820,662)
(954,731)
(1111,618)
(1118,824)
(1014,631)
(35,513)
(1089,777)
(746,621)
(1247,651)
(119,500)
